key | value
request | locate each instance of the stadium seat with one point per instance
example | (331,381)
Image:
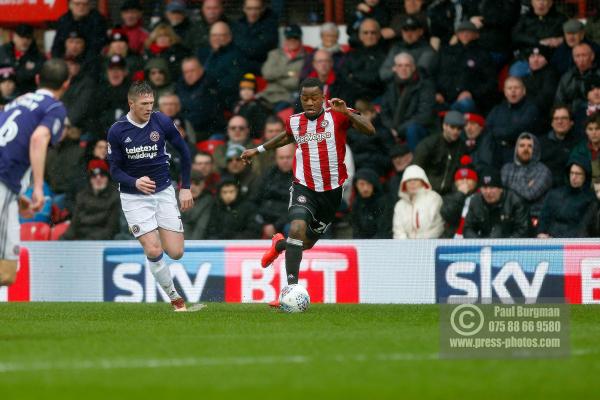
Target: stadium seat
(209,146)
(261,84)
(285,113)
(35,231)
(58,230)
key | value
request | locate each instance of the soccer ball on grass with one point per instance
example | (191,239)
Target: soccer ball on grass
(294,299)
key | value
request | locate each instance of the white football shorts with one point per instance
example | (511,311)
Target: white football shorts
(10,230)
(145,213)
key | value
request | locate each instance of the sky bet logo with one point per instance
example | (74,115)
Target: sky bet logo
(468,274)
(198,276)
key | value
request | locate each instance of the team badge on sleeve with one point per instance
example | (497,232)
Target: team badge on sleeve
(154,136)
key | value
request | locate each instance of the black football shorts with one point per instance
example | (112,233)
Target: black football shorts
(316,208)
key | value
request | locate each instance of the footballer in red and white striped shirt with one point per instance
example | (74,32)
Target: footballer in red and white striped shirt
(319,170)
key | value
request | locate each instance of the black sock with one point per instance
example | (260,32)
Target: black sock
(293,256)
(281,245)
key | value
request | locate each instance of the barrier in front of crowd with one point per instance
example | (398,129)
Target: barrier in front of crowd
(353,271)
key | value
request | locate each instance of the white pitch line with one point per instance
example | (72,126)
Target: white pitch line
(107,364)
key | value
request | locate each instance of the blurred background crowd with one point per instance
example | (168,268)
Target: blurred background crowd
(487,112)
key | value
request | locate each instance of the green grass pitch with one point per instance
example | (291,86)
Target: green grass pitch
(233,351)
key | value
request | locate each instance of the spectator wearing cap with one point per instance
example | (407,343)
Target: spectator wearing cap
(232,216)
(256,110)
(408,103)
(360,72)
(211,11)
(282,69)
(22,54)
(197,93)
(558,143)
(455,205)
(496,212)
(410,8)
(255,34)
(571,87)
(272,200)
(368,150)
(176,15)
(238,133)
(75,45)
(245,177)
(224,63)
(574,34)
(65,166)
(527,175)
(439,154)
(542,81)
(368,205)
(330,36)
(132,26)
(81,17)
(493,19)
(570,211)
(466,78)
(8,85)
(80,95)
(479,144)
(417,213)
(583,109)
(541,25)
(195,220)
(119,45)
(412,41)
(97,208)
(443,17)
(111,101)
(514,115)
(164,43)
(590,147)
(367,9)
(158,74)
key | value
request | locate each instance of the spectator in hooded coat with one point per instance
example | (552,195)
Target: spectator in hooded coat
(368,205)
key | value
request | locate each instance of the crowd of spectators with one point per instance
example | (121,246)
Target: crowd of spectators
(487,115)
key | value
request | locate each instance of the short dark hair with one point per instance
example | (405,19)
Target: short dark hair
(139,88)
(54,74)
(311,82)
(561,107)
(273,119)
(593,119)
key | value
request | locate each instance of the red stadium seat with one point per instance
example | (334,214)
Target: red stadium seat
(35,231)
(59,229)
(209,146)
(285,113)
(261,84)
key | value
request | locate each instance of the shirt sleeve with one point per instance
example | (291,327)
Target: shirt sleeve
(54,120)
(174,137)
(116,161)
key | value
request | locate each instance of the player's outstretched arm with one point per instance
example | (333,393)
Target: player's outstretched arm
(278,141)
(358,122)
(38,147)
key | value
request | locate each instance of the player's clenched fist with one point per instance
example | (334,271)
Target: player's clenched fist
(145,185)
(248,154)
(186,201)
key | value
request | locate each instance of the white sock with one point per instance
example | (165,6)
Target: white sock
(162,274)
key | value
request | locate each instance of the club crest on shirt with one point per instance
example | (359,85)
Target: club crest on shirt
(154,136)
(324,123)
(135,229)
(301,199)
